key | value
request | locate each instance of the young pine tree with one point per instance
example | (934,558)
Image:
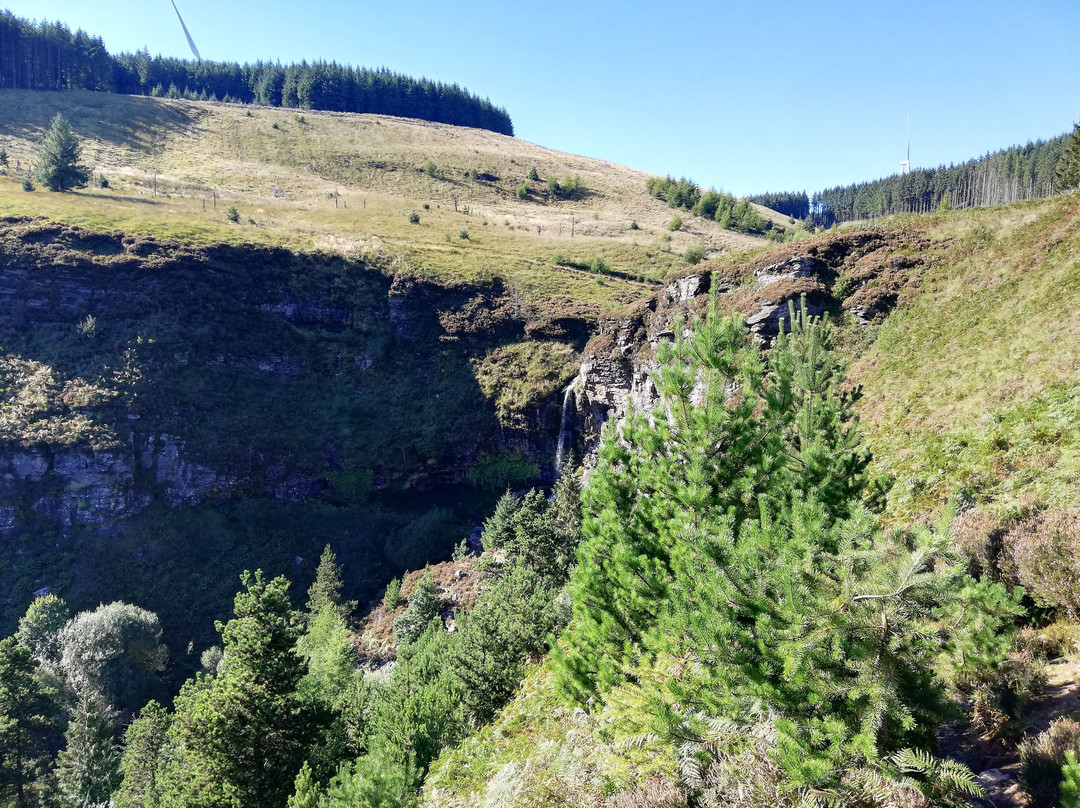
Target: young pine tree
(424,606)
(58,166)
(306,790)
(731,586)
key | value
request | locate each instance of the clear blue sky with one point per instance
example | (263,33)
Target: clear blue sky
(746,97)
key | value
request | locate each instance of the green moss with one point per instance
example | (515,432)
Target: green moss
(518,377)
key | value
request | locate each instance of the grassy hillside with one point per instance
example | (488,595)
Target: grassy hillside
(971,386)
(347,184)
(324,339)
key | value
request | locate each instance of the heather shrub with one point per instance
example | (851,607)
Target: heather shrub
(1050,642)
(1045,550)
(1000,692)
(1041,760)
(978,534)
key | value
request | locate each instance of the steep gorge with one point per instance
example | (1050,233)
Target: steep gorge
(149,384)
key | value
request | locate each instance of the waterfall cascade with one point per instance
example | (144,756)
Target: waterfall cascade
(566,429)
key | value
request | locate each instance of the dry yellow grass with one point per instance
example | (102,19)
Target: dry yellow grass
(347,183)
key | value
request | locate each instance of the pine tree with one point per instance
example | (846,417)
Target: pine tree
(26,717)
(509,623)
(1067,175)
(88,768)
(730,586)
(334,686)
(424,606)
(325,590)
(418,712)
(58,166)
(305,790)
(823,453)
(1070,781)
(533,541)
(143,743)
(3,159)
(240,738)
(653,485)
(374,781)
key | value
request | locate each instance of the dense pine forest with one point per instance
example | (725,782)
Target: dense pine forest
(47,56)
(794,204)
(1009,175)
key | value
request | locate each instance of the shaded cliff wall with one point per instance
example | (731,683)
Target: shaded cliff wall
(170,415)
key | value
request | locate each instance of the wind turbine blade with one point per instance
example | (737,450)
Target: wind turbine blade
(190,41)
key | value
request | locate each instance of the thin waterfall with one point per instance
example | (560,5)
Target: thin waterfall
(565,443)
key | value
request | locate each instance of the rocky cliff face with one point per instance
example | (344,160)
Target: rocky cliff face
(861,273)
(135,372)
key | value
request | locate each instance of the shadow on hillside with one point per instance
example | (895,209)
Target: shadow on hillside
(135,121)
(301,399)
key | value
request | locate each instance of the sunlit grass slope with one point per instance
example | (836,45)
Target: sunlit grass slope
(348,184)
(972,386)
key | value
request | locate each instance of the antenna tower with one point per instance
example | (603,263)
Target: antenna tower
(905,165)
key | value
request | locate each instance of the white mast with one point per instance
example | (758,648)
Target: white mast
(905,165)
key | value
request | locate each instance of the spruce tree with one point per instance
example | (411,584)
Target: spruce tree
(27,712)
(58,166)
(88,768)
(499,527)
(240,738)
(1067,175)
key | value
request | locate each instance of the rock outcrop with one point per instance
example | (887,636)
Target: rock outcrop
(867,271)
